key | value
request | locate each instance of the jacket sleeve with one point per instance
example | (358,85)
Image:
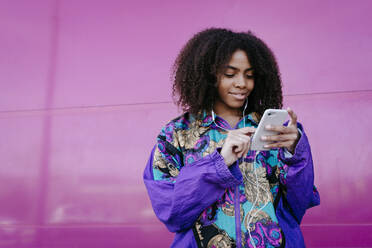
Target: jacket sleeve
(180,193)
(296,175)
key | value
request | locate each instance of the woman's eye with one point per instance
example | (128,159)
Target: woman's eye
(232,75)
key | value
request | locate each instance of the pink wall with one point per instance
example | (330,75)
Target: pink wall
(84,90)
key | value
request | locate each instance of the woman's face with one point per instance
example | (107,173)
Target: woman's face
(235,83)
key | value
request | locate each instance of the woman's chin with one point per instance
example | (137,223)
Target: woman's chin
(236,106)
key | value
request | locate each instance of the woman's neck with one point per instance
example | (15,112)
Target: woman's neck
(232,116)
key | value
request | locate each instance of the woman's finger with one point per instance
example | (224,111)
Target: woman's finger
(234,146)
(246,130)
(237,148)
(247,148)
(238,144)
(278,145)
(279,129)
(280,137)
(244,139)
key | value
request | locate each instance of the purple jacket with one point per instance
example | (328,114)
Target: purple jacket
(198,197)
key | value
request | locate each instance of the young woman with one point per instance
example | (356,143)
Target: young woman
(204,181)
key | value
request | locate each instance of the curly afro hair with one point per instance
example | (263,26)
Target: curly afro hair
(197,67)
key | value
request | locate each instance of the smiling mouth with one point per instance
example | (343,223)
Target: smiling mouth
(239,96)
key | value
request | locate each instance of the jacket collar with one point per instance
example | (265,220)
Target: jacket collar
(206,118)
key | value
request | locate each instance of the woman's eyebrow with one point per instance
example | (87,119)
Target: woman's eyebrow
(237,69)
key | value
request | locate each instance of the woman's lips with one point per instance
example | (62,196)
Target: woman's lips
(239,96)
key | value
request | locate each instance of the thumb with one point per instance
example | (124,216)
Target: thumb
(293,117)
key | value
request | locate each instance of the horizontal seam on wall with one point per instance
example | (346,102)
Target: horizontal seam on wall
(162,102)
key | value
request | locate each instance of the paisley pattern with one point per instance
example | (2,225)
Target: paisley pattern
(250,184)
(164,166)
(264,233)
(186,139)
(220,241)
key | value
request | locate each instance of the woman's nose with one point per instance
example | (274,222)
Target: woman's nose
(239,81)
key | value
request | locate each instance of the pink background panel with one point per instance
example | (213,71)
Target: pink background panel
(118,52)
(85,88)
(25,48)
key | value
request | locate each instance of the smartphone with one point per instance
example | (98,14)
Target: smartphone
(270,117)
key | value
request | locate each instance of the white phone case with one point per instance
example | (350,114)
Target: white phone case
(270,117)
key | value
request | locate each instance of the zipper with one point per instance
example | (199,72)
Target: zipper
(238,229)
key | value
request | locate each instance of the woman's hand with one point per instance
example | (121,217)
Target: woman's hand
(288,136)
(236,144)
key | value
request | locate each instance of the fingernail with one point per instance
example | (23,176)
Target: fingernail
(264,138)
(268,126)
(266,146)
